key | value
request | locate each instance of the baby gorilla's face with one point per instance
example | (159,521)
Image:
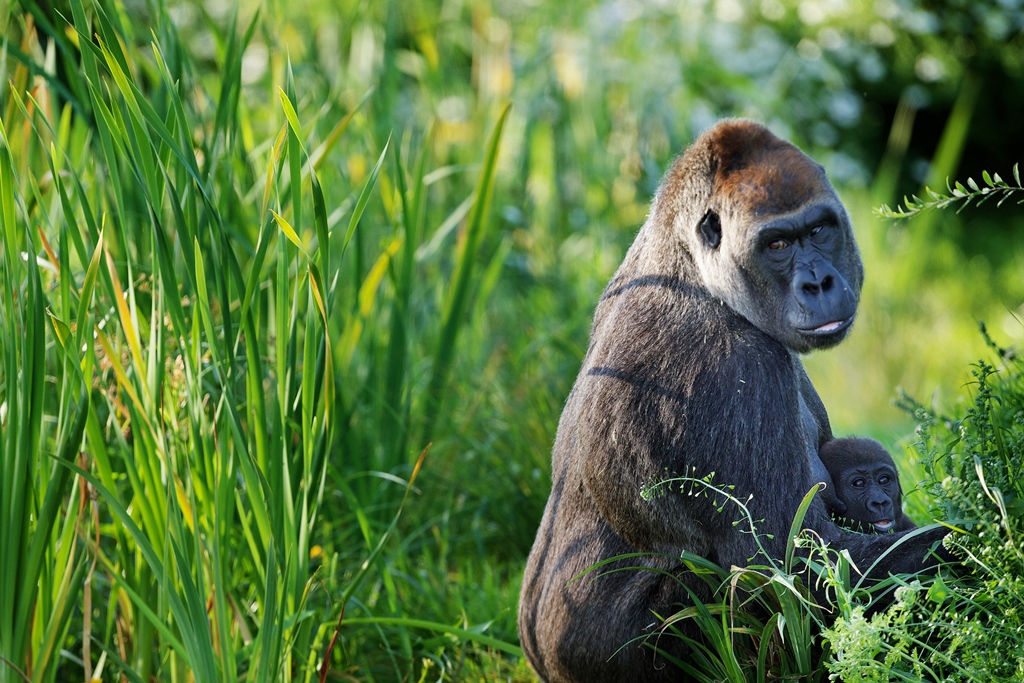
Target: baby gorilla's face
(872,496)
(865,480)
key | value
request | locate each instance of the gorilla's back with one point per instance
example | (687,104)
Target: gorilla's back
(627,424)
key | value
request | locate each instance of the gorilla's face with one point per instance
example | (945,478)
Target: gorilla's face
(779,250)
(805,255)
(872,496)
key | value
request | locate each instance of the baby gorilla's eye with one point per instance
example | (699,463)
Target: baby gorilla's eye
(858,483)
(777,245)
(883,480)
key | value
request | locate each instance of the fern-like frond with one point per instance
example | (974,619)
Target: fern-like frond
(978,193)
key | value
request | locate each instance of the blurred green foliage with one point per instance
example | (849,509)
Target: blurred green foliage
(888,95)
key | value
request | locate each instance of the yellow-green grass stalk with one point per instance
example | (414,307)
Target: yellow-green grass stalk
(41,572)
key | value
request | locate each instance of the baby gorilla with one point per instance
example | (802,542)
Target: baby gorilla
(866,481)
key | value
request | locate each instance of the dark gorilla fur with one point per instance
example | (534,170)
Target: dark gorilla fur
(746,259)
(866,480)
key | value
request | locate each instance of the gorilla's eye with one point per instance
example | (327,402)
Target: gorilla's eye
(883,480)
(778,245)
(816,229)
(858,483)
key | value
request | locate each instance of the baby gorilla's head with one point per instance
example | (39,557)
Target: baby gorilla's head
(866,481)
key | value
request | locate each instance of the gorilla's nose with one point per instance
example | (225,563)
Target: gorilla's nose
(813,287)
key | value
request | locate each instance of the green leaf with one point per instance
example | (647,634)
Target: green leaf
(289,113)
(938,591)
(289,232)
(364,197)
(797,525)
(320,221)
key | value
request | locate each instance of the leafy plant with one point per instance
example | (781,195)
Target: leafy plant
(965,623)
(993,187)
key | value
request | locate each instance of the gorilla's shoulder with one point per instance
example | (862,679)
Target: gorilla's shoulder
(671,319)
(667,341)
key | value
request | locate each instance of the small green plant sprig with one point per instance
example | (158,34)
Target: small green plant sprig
(993,186)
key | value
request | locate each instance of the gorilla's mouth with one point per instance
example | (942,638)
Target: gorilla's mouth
(828,328)
(884,524)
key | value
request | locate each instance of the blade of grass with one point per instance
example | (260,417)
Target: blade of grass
(56,490)
(364,197)
(394,418)
(459,292)
(27,423)
(797,525)
(364,568)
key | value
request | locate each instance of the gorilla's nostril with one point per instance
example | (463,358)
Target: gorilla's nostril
(827,282)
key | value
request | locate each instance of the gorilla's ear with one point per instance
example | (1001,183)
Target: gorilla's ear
(710,229)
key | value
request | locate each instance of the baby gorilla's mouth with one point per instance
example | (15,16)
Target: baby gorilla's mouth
(883,524)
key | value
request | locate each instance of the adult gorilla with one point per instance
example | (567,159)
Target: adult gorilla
(746,259)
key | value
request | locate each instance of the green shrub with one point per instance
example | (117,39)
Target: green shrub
(967,622)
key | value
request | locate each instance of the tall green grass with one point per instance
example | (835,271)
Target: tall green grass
(191,487)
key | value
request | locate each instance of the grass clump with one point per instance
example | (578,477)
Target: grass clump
(750,624)
(212,357)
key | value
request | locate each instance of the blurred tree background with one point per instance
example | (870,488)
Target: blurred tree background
(889,95)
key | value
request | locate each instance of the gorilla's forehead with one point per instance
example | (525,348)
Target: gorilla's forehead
(771,185)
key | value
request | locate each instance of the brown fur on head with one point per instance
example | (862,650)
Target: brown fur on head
(760,172)
(738,163)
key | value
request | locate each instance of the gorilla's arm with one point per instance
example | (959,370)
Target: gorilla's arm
(818,431)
